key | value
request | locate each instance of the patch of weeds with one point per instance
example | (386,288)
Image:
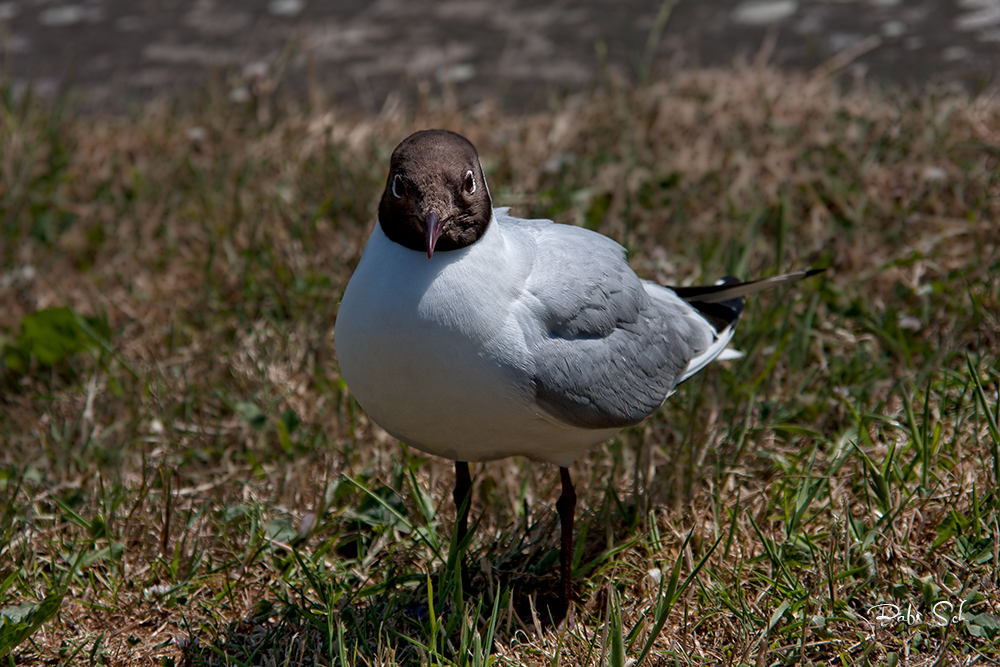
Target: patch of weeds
(51,336)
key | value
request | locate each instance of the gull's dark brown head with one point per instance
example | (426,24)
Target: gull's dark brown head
(436,196)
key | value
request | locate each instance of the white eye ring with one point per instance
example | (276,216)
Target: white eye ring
(396,179)
(469,176)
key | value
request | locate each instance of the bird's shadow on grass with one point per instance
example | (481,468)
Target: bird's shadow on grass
(497,585)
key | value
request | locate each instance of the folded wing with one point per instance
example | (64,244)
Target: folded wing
(608,348)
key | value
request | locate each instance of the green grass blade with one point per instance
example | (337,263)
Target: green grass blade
(991,419)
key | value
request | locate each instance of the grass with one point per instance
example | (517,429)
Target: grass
(185,480)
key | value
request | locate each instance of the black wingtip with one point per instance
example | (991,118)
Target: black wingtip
(721,314)
(729,288)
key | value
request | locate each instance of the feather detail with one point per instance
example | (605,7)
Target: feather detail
(716,293)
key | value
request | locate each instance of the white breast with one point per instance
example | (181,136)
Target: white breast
(433,351)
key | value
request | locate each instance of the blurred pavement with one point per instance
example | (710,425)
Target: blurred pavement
(109,52)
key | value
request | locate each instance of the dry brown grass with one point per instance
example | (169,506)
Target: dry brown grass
(217,246)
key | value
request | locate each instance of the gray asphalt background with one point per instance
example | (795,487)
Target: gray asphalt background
(110,52)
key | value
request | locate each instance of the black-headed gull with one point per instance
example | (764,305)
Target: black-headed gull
(474,335)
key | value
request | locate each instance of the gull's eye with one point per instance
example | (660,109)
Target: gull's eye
(397,186)
(470,182)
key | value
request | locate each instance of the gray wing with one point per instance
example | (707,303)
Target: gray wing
(607,347)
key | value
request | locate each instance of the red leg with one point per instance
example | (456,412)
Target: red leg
(463,498)
(567,508)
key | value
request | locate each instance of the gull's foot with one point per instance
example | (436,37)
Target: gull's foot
(552,612)
(569,619)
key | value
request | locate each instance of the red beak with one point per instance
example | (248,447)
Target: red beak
(432,227)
